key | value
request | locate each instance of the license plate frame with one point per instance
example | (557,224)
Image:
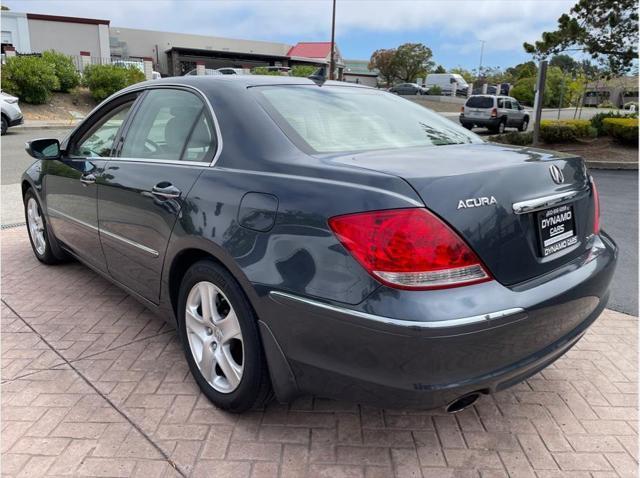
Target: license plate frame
(556,227)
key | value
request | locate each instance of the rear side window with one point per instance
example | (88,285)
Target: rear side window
(480,102)
(170,125)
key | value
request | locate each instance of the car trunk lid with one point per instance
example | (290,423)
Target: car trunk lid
(475,188)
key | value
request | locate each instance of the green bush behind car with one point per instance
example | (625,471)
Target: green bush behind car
(104,80)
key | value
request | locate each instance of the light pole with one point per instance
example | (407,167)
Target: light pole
(482,42)
(332,61)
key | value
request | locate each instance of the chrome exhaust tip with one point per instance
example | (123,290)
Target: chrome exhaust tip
(463,402)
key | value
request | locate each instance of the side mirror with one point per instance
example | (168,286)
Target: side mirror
(45,148)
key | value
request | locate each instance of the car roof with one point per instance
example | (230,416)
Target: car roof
(244,80)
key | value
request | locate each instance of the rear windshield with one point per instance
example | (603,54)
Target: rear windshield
(480,102)
(331,119)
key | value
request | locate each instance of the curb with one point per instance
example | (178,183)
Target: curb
(612,165)
(46,126)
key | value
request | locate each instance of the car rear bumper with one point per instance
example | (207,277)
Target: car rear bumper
(420,350)
(482,122)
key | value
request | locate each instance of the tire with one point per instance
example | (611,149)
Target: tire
(524,125)
(39,235)
(501,126)
(246,383)
(5,126)
(469,126)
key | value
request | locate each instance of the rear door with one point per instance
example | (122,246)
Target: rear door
(165,147)
(71,183)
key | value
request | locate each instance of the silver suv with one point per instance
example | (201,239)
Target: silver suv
(494,112)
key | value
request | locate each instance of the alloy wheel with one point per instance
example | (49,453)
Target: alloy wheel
(36,226)
(501,127)
(215,338)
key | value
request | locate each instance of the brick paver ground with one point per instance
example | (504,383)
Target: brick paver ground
(95,385)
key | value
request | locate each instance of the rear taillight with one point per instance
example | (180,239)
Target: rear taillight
(409,249)
(596,207)
(494,113)
(462,109)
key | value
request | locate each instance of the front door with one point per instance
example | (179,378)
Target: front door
(71,183)
(165,148)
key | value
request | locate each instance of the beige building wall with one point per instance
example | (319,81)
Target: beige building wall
(65,37)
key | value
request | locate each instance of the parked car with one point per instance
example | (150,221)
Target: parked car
(494,112)
(445,82)
(207,72)
(327,239)
(11,114)
(408,89)
(234,71)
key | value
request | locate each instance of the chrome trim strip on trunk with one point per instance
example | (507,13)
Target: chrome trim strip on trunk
(100,230)
(545,202)
(403,323)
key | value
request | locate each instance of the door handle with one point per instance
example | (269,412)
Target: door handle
(166,190)
(87,179)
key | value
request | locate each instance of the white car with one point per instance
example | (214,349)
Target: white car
(11,114)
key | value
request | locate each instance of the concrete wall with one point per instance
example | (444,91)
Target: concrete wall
(366,80)
(66,37)
(130,42)
(16,28)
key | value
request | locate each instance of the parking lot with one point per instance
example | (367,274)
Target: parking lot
(95,385)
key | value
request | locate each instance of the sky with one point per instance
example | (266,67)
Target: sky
(453,29)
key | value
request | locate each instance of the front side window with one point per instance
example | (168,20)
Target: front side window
(98,141)
(342,119)
(163,126)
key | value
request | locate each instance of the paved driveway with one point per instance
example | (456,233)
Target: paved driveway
(95,385)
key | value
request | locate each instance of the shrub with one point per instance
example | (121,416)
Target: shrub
(303,70)
(263,70)
(30,78)
(104,80)
(564,131)
(434,90)
(624,130)
(597,119)
(513,137)
(64,68)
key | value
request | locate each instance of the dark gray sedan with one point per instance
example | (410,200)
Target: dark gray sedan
(325,238)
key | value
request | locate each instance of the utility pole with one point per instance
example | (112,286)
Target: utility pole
(482,42)
(539,97)
(332,61)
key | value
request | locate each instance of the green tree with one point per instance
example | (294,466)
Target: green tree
(520,71)
(565,63)
(466,74)
(303,70)
(413,60)
(523,90)
(605,29)
(384,61)
(64,68)
(440,69)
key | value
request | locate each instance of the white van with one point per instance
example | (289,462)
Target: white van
(445,81)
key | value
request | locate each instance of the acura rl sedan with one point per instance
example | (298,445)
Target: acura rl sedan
(310,237)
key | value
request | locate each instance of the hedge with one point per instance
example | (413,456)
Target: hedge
(104,80)
(624,130)
(64,68)
(597,119)
(514,138)
(30,78)
(563,131)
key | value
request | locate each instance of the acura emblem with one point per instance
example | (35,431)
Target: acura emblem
(556,174)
